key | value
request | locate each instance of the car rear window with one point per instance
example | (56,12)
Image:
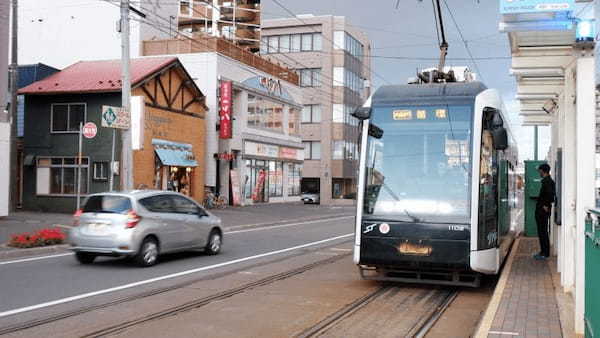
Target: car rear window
(108,204)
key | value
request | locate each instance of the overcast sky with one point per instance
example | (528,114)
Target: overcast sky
(408,34)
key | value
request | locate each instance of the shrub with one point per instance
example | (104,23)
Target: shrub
(41,237)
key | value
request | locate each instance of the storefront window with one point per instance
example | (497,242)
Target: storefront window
(264,114)
(275,179)
(294,175)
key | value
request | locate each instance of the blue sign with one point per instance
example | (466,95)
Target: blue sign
(535,6)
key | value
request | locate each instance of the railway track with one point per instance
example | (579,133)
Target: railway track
(181,308)
(333,325)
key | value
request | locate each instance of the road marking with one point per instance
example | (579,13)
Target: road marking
(228,232)
(36,258)
(287,225)
(63,226)
(341,249)
(171,276)
(502,333)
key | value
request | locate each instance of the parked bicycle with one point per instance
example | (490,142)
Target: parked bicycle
(212,201)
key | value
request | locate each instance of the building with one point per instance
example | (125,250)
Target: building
(332,58)
(553,62)
(5,126)
(255,154)
(168,150)
(237,20)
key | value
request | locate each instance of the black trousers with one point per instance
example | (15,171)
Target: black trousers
(542,219)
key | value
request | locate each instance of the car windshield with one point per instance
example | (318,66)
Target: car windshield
(107,204)
(419,170)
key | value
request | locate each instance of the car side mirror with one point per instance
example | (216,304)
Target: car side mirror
(202,213)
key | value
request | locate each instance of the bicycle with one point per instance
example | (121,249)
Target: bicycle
(221,202)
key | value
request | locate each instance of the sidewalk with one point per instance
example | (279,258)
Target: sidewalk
(27,221)
(524,303)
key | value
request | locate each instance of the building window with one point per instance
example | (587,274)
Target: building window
(275,179)
(343,77)
(291,43)
(264,114)
(310,77)
(311,113)
(58,176)
(338,148)
(312,150)
(294,176)
(101,171)
(345,41)
(66,117)
(294,121)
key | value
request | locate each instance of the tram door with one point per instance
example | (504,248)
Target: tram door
(503,200)
(488,194)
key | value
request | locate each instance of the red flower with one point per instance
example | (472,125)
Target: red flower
(39,238)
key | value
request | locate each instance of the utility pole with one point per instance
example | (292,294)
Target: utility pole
(126,150)
(14,83)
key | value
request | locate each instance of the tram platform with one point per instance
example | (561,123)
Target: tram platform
(525,302)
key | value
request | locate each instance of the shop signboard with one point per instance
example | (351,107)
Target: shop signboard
(225,106)
(235,187)
(115,117)
(259,186)
(288,153)
(261,149)
(535,6)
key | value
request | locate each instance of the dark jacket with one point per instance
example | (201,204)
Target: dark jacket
(547,193)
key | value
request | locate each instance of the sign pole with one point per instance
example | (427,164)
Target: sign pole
(126,152)
(79,165)
(112,161)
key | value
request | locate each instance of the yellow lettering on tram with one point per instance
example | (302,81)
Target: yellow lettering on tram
(402,114)
(421,114)
(440,113)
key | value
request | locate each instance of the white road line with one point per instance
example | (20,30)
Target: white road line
(287,225)
(171,276)
(227,232)
(36,258)
(503,333)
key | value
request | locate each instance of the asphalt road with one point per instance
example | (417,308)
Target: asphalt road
(59,283)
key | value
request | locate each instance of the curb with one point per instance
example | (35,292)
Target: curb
(485,325)
(19,253)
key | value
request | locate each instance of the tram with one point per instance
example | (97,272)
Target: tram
(437,189)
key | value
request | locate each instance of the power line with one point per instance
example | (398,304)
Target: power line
(464,41)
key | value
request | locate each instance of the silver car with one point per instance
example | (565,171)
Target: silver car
(142,224)
(311,197)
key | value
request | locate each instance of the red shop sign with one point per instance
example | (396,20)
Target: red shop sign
(226,156)
(225,110)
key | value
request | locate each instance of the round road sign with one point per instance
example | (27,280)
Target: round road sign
(90,130)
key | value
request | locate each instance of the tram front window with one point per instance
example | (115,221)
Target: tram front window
(419,170)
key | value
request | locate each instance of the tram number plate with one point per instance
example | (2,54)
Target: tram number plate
(414,249)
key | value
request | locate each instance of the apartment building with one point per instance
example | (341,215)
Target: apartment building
(236,20)
(333,60)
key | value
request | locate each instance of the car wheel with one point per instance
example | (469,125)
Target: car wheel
(85,257)
(215,241)
(148,254)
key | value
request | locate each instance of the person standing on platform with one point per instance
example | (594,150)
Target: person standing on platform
(543,209)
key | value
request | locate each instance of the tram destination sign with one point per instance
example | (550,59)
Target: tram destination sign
(115,117)
(535,6)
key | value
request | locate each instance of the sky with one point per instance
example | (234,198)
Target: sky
(407,33)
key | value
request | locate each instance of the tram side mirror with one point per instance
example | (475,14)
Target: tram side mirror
(500,137)
(362,113)
(375,131)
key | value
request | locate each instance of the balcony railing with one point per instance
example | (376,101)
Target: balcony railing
(202,44)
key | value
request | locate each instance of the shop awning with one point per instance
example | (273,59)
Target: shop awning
(174,154)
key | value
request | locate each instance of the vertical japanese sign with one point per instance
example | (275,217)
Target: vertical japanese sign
(259,186)
(225,109)
(235,187)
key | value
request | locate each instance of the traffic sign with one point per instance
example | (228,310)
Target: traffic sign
(90,130)
(115,117)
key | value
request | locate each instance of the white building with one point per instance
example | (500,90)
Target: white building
(4,116)
(265,130)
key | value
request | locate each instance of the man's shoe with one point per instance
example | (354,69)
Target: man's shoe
(540,257)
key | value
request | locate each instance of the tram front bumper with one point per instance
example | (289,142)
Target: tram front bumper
(414,253)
